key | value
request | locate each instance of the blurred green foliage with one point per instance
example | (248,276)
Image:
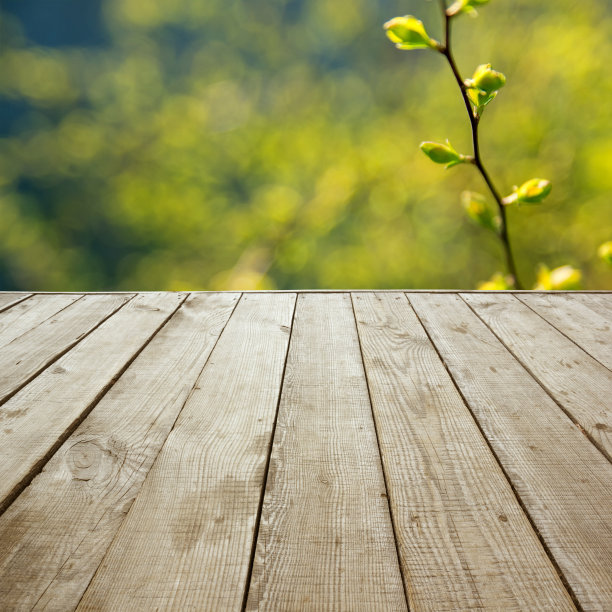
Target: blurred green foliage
(274,144)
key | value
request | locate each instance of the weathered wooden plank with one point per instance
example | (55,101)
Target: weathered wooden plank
(577,381)
(585,326)
(325,540)
(564,482)
(57,531)
(36,421)
(7,300)
(600,303)
(28,314)
(464,541)
(187,540)
(26,356)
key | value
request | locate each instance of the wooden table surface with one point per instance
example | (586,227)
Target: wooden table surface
(306,451)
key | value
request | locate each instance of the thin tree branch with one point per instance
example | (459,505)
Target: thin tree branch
(474,122)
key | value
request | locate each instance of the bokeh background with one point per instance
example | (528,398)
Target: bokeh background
(222,144)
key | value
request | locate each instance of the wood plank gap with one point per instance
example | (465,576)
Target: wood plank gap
(191,526)
(586,347)
(567,413)
(69,585)
(596,303)
(382,463)
(582,348)
(326,540)
(14,302)
(566,584)
(37,467)
(195,383)
(59,355)
(27,315)
(126,292)
(267,470)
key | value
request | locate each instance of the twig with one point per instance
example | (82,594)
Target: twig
(446,50)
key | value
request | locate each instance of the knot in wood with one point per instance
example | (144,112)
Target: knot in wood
(87,460)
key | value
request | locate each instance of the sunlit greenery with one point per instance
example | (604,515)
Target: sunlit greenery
(409,33)
(274,144)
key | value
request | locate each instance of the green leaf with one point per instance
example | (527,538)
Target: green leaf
(443,154)
(408,32)
(479,211)
(480,98)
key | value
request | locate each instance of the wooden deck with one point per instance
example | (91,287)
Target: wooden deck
(306,451)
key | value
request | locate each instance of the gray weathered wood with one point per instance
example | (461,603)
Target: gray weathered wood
(7,300)
(585,326)
(31,352)
(187,540)
(599,302)
(28,314)
(564,482)
(37,420)
(325,540)
(577,381)
(57,531)
(94,416)
(463,538)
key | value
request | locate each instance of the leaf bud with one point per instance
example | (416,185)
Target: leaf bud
(605,251)
(531,192)
(558,279)
(464,6)
(498,282)
(443,154)
(408,32)
(484,85)
(479,211)
(486,79)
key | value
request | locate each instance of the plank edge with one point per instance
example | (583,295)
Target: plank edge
(527,369)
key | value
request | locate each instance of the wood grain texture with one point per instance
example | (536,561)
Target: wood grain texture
(564,482)
(38,419)
(586,327)
(600,302)
(7,300)
(187,540)
(28,314)
(325,540)
(94,419)
(31,352)
(464,540)
(577,381)
(57,531)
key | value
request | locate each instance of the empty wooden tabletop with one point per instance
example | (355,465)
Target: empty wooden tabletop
(306,450)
